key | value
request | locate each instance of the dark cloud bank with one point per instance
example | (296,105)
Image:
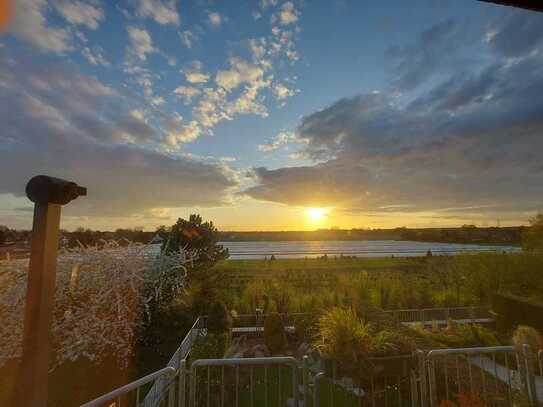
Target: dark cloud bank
(473,140)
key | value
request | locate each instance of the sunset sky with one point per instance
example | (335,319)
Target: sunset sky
(274,115)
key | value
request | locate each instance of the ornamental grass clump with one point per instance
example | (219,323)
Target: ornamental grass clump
(344,338)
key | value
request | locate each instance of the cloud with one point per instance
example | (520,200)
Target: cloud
(288,14)
(94,57)
(188,38)
(30,24)
(519,33)
(162,11)
(141,43)
(470,141)
(433,52)
(80,13)
(187,93)
(69,125)
(282,92)
(215,19)
(240,72)
(282,139)
(180,132)
(193,76)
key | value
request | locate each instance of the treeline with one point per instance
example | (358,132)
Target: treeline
(464,234)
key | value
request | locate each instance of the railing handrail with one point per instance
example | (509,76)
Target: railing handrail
(436,308)
(112,395)
(476,350)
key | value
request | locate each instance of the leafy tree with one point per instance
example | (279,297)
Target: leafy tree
(532,237)
(198,237)
(3,234)
(218,320)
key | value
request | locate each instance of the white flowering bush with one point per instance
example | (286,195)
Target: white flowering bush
(103,297)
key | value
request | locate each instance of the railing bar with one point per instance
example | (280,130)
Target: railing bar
(138,397)
(470,374)
(508,379)
(372,392)
(119,401)
(496,388)
(280,386)
(208,386)
(483,379)
(237,385)
(446,379)
(399,391)
(458,383)
(386,391)
(266,385)
(222,386)
(252,388)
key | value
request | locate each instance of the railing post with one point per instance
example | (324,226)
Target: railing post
(432,382)
(304,377)
(316,387)
(422,377)
(529,371)
(182,383)
(171,390)
(192,386)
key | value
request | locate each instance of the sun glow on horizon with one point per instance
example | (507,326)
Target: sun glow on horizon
(316,214)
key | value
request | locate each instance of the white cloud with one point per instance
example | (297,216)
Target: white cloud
(282,92)
(240,72)
(282,139)
(194,76)
(94,57)
(288,14)
(29,24)
(187,38)
(215,19)
(80,13)
(179,132)
(187,93)
(163,12)
(158,101)
(141,43)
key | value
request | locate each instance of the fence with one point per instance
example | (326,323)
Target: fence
(130,394)
(198,328)
(441,315)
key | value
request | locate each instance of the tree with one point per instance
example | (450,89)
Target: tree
(532,236)
(3,234)
(198,237)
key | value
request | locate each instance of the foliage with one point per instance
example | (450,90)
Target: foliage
(197,237)
(529,336)
(345,338)
(532,237)
(210,346)
(218,318)
(103,299)
(305,327)
(274,332)
(461,335)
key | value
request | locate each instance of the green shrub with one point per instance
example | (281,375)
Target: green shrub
(274,332)
(304,327)
(344,338)
(390,342)
(527,335)
(211,346)
(218,319)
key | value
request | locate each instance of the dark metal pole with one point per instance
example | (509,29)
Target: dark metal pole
(48,194)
